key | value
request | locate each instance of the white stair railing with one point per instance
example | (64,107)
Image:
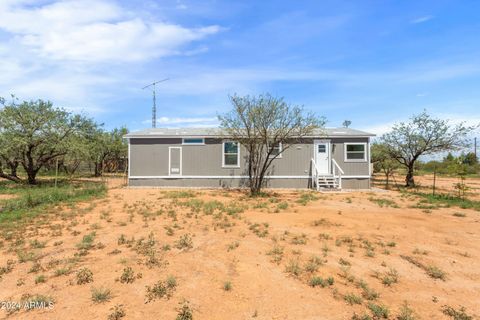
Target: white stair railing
(336,168)
(314,174)
(337,173)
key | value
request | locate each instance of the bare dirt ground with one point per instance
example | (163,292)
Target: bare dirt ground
(248,258)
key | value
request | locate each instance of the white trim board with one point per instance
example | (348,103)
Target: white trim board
(239,177)
(129,158)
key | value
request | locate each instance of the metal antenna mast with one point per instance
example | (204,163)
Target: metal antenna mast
(154,109)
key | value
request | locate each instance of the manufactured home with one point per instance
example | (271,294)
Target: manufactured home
(334,158)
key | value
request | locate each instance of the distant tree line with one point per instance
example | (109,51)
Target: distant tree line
(423,135)
(465,163)
(35,136)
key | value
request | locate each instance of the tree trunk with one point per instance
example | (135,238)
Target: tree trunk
(409,181)
(32,177)
(98,169)
(13,170)
(9,177)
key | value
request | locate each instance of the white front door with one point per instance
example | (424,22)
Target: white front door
(322,157)
(175,161)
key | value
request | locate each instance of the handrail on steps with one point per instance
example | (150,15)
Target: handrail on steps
(314,174)
(335,168)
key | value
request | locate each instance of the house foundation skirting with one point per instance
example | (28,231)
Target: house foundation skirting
(294,182)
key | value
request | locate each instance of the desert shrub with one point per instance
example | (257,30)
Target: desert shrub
(282,205)
(277,253)
(185,242)
(161,289)
(84,276)
(180,194)
(459,214)
(261,230)
(24,256)
(87,242)
(379,311)
(436,272)
(36,244)
(313,264)
(293,267)
(319,281)
(405,313)
(118,312)
(233,245)
(61,272)
(7,268)
(382,202)
(367,292)
(128,276)
(390,277)
(227,285)
(459,314)
(185,312)
(362,317)
(306,197)
(352,299)
(101,294)
(299,239)
(40,279)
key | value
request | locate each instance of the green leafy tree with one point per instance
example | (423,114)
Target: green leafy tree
(261,124)
(38,132)
(382,162)
(108,150)
(8,159)
(470,159)
(423,135)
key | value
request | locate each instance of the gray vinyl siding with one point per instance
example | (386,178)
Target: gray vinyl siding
(360,168)
(149,157)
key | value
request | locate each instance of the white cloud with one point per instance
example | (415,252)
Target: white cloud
(94,31)
(79,53)
(421,19)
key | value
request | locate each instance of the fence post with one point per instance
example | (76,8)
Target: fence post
(434,179)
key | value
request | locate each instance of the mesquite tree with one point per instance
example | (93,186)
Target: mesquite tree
(382,162)
(423,135)
(33,133)
(261,124)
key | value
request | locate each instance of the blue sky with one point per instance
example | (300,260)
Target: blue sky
(372,62)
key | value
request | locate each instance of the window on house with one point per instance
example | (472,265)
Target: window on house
(355,152)
(277,150)
(193,141)
(231,154)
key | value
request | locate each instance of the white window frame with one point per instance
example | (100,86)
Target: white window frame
(223,155)
(280,151)
(194,143)
(364,144)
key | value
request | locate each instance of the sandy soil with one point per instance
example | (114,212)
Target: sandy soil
(6,196)
(338,228)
